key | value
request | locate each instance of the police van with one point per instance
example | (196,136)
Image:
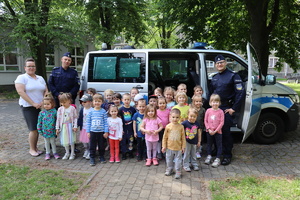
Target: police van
(269,108)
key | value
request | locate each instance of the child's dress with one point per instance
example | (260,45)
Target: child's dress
(46,123)
(152,125)
(82,123)
(66,121)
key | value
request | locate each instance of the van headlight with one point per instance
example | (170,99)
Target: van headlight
(295,98)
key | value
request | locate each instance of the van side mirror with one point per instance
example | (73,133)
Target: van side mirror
(270,79)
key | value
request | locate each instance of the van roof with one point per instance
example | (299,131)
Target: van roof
(213,51)
(164,50)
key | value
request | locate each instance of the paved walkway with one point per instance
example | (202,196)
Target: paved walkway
(132,180)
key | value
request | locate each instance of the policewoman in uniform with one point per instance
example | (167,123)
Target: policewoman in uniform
(64,79)
(229,86)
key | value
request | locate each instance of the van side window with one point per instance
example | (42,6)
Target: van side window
(232,64)
(171,69)
(117,67)
(104,64)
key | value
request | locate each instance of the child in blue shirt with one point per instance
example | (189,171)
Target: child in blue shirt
(97,129)
(140,137)
(126,113)
(193,140)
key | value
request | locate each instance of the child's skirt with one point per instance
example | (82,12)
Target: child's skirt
(67,136)
(83,136)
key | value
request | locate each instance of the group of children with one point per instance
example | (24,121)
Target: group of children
(171,123)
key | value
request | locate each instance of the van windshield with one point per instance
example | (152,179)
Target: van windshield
(117,67)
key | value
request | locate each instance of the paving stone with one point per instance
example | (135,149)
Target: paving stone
(133,180)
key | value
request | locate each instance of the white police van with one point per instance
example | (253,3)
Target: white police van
(269,109)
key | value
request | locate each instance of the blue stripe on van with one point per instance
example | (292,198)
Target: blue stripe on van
(256,103)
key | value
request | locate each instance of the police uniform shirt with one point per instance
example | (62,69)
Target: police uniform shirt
(229,86)
(62,80)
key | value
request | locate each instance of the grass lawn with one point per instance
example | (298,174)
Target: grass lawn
(9,95)
(295,87)
(255,188)
(24,183)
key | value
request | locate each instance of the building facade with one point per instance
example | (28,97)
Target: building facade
(12,63)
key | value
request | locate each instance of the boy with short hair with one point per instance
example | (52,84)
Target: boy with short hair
(126,113)
(182,88)
(174,144)
(97,129)
(193,140)
(140,137)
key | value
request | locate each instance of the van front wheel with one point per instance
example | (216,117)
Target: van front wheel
(269,129)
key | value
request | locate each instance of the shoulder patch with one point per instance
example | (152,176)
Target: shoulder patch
(239,86)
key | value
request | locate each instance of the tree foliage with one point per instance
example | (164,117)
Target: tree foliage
(111,19)
(33,25)
(161,32)
(267,24)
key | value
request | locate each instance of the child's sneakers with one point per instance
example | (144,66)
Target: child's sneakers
(198,155)
(177,175)
(117,160)
(56,156)
(216,163)
(169,172)
(148,162)
(88,156)
(85,154)
(208,160)
(187,169)
(47,156)
(102,160)
(124,157)
(196,168)
(155,162)
(72,157)
(111,160)
(92,162)
(66,156)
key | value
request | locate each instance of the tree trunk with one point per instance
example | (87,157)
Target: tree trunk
(41,59)
(261,28)
(258,31)
(38,50)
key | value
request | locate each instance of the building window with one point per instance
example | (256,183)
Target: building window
(77,58)
(272,62)
(50,57)
(9,61)
(210,64)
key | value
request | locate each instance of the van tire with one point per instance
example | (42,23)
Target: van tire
(269,129)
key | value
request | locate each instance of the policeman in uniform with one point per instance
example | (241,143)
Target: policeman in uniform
(64,79)
(229,86)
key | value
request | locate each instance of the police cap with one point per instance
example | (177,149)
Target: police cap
(68,54)
(219,58)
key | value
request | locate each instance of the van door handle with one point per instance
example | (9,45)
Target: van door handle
(139,87)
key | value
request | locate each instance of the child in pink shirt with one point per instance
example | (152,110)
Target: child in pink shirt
(214,121)
(163,114)
(151,126)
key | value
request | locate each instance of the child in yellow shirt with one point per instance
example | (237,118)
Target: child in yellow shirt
(174,144)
